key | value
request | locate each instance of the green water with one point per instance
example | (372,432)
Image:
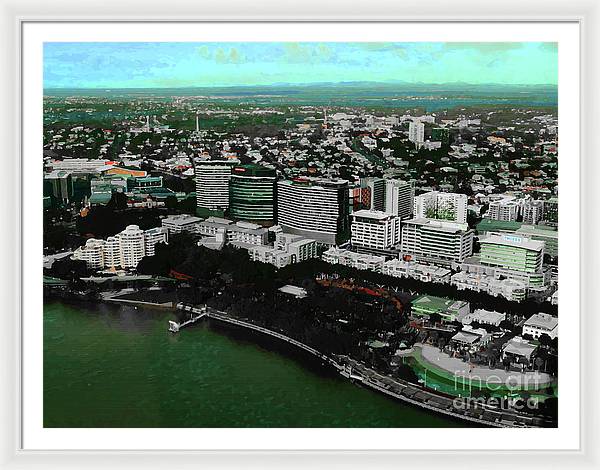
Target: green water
(115,366)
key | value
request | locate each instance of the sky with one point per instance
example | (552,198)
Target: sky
(169,64)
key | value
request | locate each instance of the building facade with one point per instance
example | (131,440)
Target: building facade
(252,193)
(436,241)
(539,324)
(181,223)
(375,230)
(351,259)
(399,198)
(416,132)
(124,250)
(212,184)
(314,208)
(442,206)
(512,252)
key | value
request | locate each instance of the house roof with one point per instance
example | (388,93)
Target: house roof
(519,347)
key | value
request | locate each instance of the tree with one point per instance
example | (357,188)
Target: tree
(545,340)
(118,201)
(171,202)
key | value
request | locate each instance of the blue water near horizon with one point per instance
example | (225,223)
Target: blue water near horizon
(430,97)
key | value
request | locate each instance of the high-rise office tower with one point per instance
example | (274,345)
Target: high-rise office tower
(252,193)
(212,184)
(416,132)
(399,198)
(315,208)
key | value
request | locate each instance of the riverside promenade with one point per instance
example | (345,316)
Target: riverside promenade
(477,412)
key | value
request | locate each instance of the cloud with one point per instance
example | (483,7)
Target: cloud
(204,52)
(232,57)
(307,53)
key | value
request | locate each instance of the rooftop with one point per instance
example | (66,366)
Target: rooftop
(183,219)
(438,225)
(519,347)
(489,225)
(437,303)
(542,320)
(371,214)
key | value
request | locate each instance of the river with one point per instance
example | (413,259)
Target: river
(117,366)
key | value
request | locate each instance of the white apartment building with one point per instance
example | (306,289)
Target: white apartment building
(133,246)
(314,208)
(235,233)
(441,206)
(416,132)
(112,252)
(541,323)
(507,208)
(375,230)
(152,237)
(92,253)
(436,241)
(181,223)
(288,249)
(212,183)
(351,259)
(399,198)
(533,212)
(124,250)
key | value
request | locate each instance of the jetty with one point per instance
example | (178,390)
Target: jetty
(196,314)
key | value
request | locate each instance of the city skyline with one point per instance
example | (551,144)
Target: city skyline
(187,65)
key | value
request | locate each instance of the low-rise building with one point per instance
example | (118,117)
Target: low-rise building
(519,351)
(234,233)
(541,323)
(418,271)
(484,317)
(296,291)
(288,249)
(449,310)
(181,223)
(481,282)
(335,255)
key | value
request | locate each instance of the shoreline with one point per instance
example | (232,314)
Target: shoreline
(358,374)
(395,388)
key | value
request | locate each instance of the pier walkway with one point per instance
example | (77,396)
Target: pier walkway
(479,413)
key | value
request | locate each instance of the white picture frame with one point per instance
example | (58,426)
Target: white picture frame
(17,13)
